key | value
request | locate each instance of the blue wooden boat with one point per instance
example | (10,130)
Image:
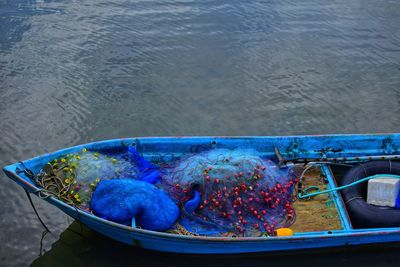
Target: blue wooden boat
(324,149)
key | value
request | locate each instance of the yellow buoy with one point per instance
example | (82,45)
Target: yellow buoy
(284,232)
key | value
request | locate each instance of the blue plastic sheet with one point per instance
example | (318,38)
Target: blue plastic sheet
(122,200)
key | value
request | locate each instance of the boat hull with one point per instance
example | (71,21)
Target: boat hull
(292,147)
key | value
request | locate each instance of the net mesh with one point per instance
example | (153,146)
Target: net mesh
(74,177)
(231,191)
(219,191)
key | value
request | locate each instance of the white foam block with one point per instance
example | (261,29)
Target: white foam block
(383,191)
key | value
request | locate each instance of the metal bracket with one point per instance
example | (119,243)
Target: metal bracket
(282,162)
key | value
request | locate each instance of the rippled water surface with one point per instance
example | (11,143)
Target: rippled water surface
(77,71)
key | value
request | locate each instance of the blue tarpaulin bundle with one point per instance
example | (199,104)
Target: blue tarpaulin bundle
(124,200)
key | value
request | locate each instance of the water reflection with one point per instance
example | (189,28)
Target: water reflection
(79,246)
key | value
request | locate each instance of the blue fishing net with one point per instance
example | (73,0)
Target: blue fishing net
(231,191)
(93,165)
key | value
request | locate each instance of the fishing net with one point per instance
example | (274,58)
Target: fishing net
(231,192)
(74,177)
(219,192)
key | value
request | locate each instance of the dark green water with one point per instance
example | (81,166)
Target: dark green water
(76,71)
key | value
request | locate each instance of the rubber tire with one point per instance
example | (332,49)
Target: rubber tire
(362,214)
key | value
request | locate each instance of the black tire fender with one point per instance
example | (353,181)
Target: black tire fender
(362,214)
